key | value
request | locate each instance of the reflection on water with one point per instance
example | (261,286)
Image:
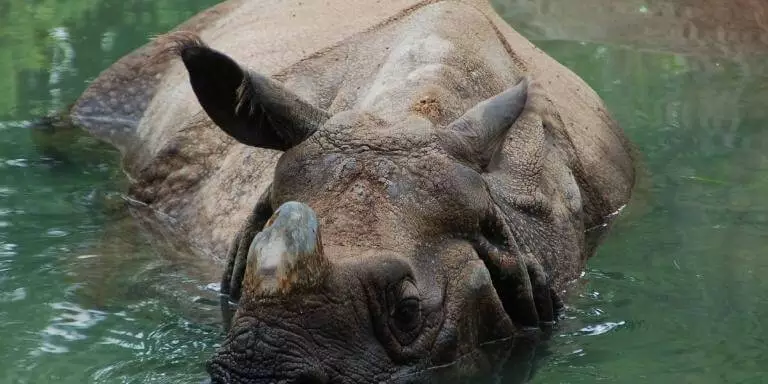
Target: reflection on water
(711,28)
(676,294)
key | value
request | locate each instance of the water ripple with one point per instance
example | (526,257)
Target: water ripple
(7,250)
(67,326)
(600,329)
(56,233)
(19,163)
(125,339)
(14,124)
(17,294)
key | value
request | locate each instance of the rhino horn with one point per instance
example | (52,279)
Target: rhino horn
(478,135)
(252,108)
(287,255)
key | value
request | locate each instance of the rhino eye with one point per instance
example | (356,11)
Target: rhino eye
(405,312)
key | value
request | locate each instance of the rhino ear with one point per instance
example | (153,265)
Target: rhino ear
(479,134)
(253,109)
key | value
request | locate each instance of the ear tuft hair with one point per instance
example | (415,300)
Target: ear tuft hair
(180,43)
(245,98)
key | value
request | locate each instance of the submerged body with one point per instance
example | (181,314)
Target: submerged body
(459,177)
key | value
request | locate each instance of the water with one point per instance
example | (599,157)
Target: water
(676,295)
(84,298)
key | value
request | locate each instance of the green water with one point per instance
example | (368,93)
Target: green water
(676,295)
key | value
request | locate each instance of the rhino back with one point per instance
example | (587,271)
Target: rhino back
(203,184)
(581,152)
(190,175)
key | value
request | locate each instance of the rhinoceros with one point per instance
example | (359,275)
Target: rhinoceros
(388,185)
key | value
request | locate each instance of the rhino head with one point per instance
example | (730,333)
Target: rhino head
(378,252)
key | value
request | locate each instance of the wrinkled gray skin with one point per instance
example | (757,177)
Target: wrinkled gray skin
(421,181)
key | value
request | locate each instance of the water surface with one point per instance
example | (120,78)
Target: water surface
(676,295)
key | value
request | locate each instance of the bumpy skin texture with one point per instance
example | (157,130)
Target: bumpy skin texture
(460,179)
